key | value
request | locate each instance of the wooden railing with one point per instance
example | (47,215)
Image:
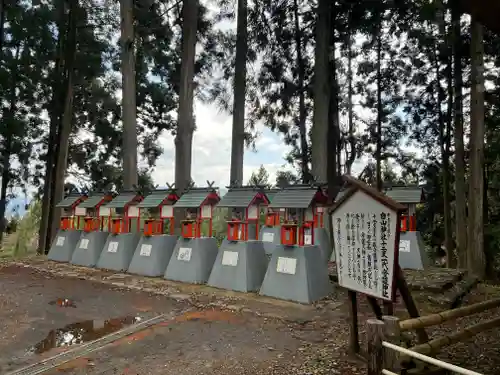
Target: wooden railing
(384,337)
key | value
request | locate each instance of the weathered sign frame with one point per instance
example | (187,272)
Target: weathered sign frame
(395,210)
(399,282)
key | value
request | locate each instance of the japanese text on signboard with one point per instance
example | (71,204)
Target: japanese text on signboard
(365,235)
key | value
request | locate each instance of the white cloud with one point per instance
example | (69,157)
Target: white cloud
(211,157)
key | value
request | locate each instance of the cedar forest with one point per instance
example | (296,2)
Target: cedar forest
(428,76)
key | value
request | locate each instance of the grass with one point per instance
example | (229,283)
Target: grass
(23,242)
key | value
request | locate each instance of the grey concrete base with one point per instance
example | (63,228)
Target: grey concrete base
(152,255)
(89,248)
(118,251)
(322,239)
(412,254)
(239,266)
(297,274)
(64,244)
(192,260)
(270,237)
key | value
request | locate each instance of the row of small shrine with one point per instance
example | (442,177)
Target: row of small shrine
(126,232)
(115,212)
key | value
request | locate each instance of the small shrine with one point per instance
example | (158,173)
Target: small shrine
(95,232)
(298,270)
(303,223)
(69,228)
(241,261)
(194,254)
(157,244)
(412,254)
(270,231)
(124,225)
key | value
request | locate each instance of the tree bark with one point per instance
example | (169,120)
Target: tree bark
(2,24)
(55,117)
(304,147)
(319,132)
(350,110)
(240,80)
(460,195)
(67,117)
(476,259)
(444,48)
(129,110)
(64,124)
(380,115)
(185,127)
(7,144)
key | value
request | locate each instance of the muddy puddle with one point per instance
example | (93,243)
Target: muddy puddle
(81,332)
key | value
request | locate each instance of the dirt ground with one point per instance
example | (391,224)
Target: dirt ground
(206,331)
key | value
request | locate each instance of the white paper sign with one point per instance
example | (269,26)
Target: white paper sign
(365,236)
(133,211)
(84,243)
(309,214)
(113,247)
(404,246)
(253,212)
(145,250)
(230,258)
(308,239)
(60,241)
(167,211)
(268,237)
(206,211)
(184,254)
(80,211)
(104,211)
(286,265)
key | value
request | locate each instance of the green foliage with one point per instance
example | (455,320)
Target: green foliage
(260,178)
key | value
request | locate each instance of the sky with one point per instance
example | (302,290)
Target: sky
(212,150)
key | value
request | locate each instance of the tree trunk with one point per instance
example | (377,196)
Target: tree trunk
(7,144)
(64,122)
(129,110)
(304,147)
(240,81)
(185,126)
(378,152)
(350,110)
(2,24)
(476,259)
(444,47)
(67,118)
(55,117)
(319,132)
(460,196)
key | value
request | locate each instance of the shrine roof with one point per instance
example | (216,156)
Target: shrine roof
(122,200)
(242,197)
(294,196)
(195,197)
(406,194)
(92,201)
(270,193)
(70,200)
(156,198)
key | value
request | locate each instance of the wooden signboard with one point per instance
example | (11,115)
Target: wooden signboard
(366,226)
(366,232)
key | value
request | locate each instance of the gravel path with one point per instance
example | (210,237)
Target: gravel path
(211,331)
